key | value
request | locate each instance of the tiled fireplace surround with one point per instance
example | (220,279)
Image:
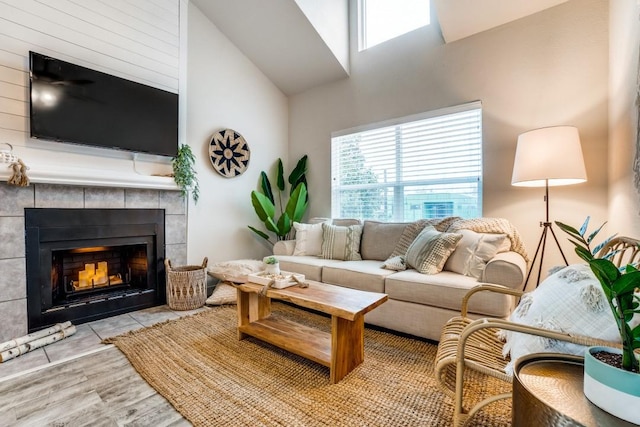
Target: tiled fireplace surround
(13,200)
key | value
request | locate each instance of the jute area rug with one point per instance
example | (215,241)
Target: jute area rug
(212,379)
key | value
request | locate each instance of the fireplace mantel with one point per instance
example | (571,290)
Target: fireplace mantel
(92,177)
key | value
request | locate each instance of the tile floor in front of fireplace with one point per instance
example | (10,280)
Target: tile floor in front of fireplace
(88,338)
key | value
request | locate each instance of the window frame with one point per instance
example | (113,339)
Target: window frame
(399,196)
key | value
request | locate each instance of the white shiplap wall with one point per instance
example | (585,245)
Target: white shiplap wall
(135,39)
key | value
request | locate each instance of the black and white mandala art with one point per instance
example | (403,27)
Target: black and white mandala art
(229,153)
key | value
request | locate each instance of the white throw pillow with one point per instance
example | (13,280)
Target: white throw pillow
(235,271)
(473,252)
(570,301)
(308,239)
(396,263)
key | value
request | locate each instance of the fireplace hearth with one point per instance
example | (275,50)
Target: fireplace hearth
(88,264)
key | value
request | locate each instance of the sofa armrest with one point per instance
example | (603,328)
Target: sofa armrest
(284,247)
(507,269)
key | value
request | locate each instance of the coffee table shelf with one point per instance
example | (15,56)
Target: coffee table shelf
(286,334)
(342,350)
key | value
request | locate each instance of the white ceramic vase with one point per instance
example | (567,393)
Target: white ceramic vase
(613,390)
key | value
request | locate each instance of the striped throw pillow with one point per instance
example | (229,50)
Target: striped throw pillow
(342,243)
(431,249)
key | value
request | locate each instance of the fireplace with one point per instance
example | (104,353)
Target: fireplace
(88,264)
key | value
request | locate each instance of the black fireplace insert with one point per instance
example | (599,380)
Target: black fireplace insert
(88,264)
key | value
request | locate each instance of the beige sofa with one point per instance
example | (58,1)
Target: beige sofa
(419,304)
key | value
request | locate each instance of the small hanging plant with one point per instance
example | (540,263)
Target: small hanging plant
(184,173)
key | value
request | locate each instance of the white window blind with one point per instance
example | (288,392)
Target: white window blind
(424,166)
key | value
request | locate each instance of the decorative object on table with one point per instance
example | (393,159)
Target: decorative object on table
(19,168)
(186,285)
(547,157)
(271,265)
(264,202)
(281,280)
(612,386)
(229,153)
(184,173)
(15,347)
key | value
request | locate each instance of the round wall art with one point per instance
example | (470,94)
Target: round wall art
(229,153)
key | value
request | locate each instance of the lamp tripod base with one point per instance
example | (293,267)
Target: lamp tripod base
(546,228)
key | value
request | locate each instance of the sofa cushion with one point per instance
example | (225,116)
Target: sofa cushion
(310,266)
(340,242)
(473,251)
(380,238)
(308,239)
(430,250)
(362,275)
(396,263)
(446,290)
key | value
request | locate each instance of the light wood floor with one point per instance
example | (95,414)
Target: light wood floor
(99,389)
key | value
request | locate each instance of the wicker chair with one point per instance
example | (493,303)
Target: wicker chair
(475,345)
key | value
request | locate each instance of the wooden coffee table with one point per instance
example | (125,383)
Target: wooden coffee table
(341,350)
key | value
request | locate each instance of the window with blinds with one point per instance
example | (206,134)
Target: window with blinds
(423,166)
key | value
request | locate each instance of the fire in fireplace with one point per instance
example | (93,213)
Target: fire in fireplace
(87,264)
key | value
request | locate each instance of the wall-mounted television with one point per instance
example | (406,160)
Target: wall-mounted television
(74,104)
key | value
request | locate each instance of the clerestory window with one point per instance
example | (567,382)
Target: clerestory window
(382,20)
(423,166)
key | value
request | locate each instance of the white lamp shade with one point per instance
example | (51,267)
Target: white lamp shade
(549,155)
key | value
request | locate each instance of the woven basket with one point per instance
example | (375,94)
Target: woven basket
(186,286)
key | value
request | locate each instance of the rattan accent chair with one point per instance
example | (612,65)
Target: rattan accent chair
(475,345)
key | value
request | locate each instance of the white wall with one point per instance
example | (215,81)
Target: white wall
(547,69)
(225,90)
(624,80)
(138,41)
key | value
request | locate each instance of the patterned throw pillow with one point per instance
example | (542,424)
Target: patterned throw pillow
(342,243)
(430,250)
(412,230)
(396,263)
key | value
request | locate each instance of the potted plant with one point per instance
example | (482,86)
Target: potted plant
(612,377)
(271,265)
(184,173)
(266,205)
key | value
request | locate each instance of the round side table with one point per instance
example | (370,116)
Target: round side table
(547,391)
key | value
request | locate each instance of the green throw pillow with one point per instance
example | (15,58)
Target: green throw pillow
(431,249)
(340,242)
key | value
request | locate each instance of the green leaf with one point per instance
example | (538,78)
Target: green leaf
(570,230)
(262,205)
(265,184)
(593,234)
(271,226)
(284,225)
(299,171)
(280,177)
(297,204)
(260,233)
(626,284)
(585,224)
(607,270)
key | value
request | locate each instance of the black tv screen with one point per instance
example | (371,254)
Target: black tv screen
(70,103)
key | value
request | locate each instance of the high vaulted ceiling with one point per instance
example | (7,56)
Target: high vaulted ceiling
(299,44)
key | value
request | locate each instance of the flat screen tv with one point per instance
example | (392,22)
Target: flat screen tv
(70,103)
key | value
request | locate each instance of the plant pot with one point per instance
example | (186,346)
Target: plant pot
(272,268)
(613,390)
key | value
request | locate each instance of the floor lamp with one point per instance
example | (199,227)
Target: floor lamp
(548,157)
